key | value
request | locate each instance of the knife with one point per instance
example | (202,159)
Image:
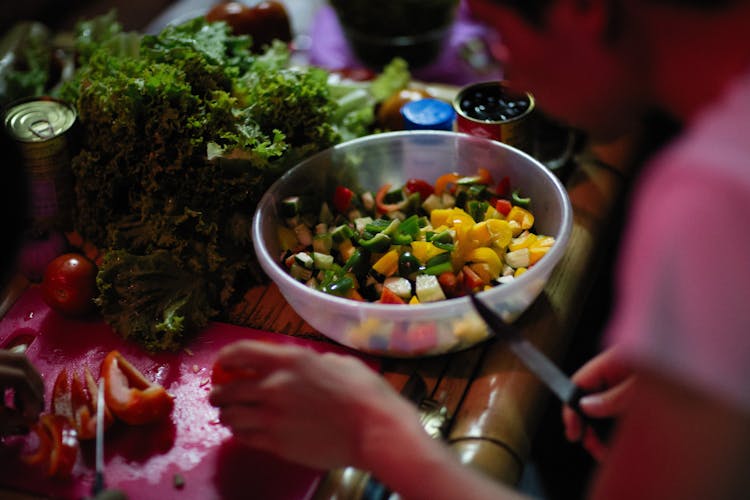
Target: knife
(559,383)
(98,485)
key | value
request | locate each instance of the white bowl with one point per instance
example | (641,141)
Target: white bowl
(368,163)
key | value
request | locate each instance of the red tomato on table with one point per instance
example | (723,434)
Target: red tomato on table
(69,284)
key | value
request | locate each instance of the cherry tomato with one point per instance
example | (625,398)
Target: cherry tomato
(69,284)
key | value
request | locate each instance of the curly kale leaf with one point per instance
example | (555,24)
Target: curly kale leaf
(151,299)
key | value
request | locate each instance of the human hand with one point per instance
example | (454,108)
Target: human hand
(18,375)
(321,410)
(608,380)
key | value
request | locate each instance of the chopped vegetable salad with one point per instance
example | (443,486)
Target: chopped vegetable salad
(417,243)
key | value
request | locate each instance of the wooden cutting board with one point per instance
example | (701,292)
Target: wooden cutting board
(143,461)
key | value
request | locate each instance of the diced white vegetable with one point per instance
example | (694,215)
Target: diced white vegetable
(518,258)
(368,202)
(505,279)
(432,202)
(448,200)
(322,260)
(304,235)
(428,288)
(398,285)
(304,259)
(359,224)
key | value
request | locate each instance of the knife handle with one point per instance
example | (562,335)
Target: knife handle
(602,427)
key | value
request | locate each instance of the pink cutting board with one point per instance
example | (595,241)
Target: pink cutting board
(142,461)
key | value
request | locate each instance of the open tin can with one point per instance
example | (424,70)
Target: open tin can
(492,110)
(43,130)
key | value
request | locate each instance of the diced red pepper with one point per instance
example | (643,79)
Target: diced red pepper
(450,284)
(472,281)
(503,187)
(485,177)
(342,199)
(382,206)
(503,206)
(444,181)
(420,186)
(130,395)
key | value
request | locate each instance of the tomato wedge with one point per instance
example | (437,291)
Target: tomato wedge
(84,394)
(58,445)
(130,395)
(75,398)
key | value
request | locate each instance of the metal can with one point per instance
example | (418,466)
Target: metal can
(492,110)
(42,128)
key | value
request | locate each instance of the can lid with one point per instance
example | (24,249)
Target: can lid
(428,114)
(37,120)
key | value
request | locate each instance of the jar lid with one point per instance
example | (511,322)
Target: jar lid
(428,114)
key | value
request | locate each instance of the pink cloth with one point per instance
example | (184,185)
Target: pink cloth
(683,303)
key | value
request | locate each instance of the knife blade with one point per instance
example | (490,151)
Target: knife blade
(98,485)
(548,372)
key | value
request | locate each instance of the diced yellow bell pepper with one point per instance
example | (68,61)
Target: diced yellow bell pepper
(346,249)
(523,217)
(414,300)
(519,272)
(544,241)
(523,240)
(439,216)
(488,256)
(537,252)
(287,237)
(424,250)
(387,265)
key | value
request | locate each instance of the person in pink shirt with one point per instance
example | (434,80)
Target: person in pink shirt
(676,369)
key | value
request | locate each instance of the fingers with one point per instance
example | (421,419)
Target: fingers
(610,402)
(17,373)
(258,355)
(604,370)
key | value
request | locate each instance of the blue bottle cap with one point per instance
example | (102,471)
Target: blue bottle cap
(428,114)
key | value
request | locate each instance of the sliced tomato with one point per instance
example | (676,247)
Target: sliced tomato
(130,395)
(84,394)
(61,396)
(388,297)
(57,449)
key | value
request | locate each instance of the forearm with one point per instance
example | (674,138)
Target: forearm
(415,465)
